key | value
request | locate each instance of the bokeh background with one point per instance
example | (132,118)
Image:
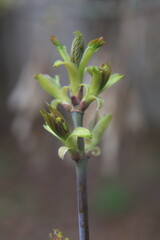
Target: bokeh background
(37,189)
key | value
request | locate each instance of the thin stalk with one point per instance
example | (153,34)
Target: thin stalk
(81,175)
(77,119)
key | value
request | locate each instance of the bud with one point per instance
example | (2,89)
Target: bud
(96,43)
(60,47)
(67,106)
(83,105)
(100,77)
(105,74)
(77,48)
(74,100)
(92,47)
(55,41)
(56,122)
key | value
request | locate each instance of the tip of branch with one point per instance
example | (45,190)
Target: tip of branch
(54,40)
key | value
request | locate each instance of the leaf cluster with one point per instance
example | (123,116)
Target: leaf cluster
(73,97)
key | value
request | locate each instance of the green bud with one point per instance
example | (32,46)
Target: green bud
(96,43)
(60,48)
(56,122)
(83,105)
(100,77)
(92,47)
(55,41)
(77,48)
(105,75)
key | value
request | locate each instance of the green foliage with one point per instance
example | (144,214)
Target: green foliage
(97,132)
(92,47)
(73,98)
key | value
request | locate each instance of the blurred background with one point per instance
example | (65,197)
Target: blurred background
(37,189)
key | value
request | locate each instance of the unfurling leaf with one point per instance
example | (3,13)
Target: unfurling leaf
(81,132)
(53,87)
(47,128)
(100,128)
(71,141)
(96,151)
(100,76)
(96,43)
(100,102)
(94,87)
(61,48)
(62,151)
(56,122)
(93,46)
(105,74)
(114,78)
(73,75)
(97,132)
(50,85)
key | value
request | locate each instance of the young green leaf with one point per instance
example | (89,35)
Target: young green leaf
(56,122)
(94,87)
(55,102)
(71,141)
(96,43)
(100,128)
(100,76)
(61,48)
(50,85)
(64,94)
(62,151)
(93,46)
(105,71)
(114,78)
(96,151)
(81,132)
(73,74)
(100,101)
(47,128)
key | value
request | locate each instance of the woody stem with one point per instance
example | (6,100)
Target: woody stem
(81,175)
